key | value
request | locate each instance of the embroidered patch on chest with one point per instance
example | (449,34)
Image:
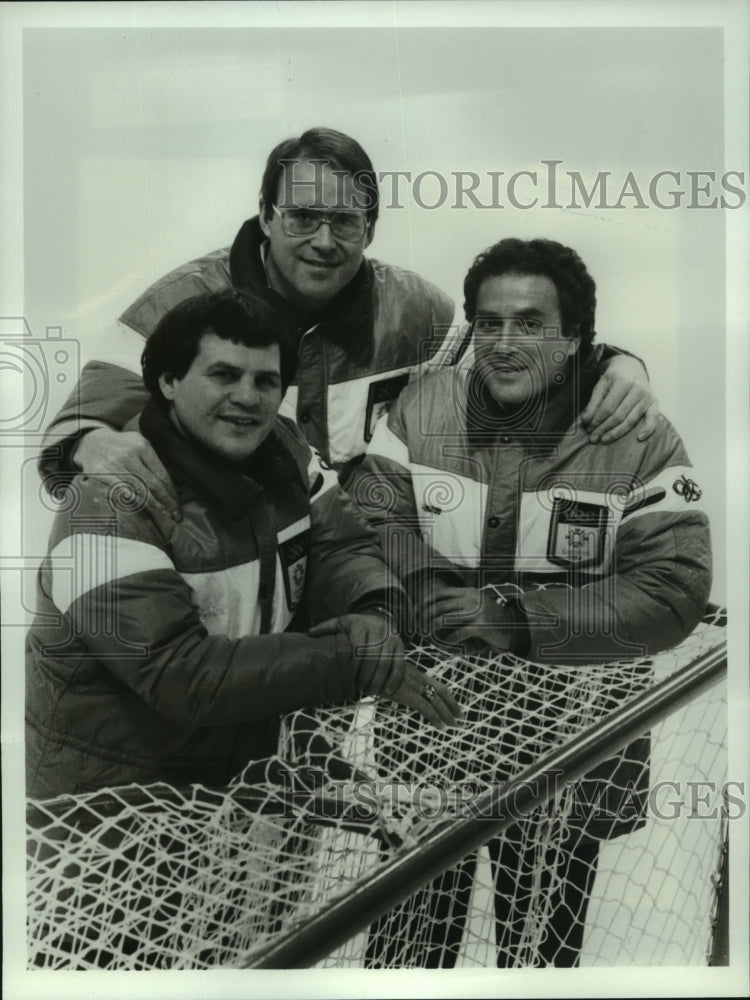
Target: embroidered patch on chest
(293,558)
(577,532)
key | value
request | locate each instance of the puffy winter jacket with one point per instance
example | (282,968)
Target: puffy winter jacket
(352,362)
(616,532)
(163,650)
(605,547)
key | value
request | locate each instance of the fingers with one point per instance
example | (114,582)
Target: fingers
(384,672)
(328,627)
(92,447)
(379,656)
(621,399)
(650,422)
(428,696)
(457,602)
(448,699)
(597,396)
(154,495)
(438,604)
(430,617)
(624,418)
(128,454)
(157,479)
(607,400)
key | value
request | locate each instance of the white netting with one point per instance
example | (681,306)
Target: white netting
(193,878)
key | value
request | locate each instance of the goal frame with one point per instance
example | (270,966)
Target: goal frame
(493,811)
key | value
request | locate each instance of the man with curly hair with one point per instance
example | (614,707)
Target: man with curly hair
(558,549)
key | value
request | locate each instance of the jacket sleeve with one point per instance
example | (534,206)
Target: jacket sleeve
(109,393)
(443,330)
(133,614)
(661,571)
(607,354)
(106,395)
(110,390)
(346,568)
(446,337)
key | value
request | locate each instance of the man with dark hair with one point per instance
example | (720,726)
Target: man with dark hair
(360,327)
(508,425)
(557,549)
(576,290)
(167,651)
(306,176)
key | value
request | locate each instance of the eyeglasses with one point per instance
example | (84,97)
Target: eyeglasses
(347,226)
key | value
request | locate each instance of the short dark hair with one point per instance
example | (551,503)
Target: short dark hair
(340,152)
(576,289)
(231,315)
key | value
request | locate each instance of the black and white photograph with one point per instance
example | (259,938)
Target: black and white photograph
(374,444)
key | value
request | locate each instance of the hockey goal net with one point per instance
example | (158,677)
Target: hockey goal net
(360,843)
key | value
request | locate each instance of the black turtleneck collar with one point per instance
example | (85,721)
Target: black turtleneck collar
(227,487)
(346,321)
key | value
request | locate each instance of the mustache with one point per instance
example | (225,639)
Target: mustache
(507,362)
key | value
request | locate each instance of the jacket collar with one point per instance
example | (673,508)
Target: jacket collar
(347,321)
(539,422)
(194,469)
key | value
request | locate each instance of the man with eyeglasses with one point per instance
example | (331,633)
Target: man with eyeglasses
(511,529)
(362,327)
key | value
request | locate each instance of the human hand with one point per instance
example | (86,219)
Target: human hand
(378,651)
(428,696)
(451,614)
(621,398)
(106,451)
(382,669)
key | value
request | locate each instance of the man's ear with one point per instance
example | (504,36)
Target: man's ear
(264,223)
(370,234)
(166,384)
(572,343)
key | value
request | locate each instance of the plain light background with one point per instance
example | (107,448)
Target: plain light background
(135,139)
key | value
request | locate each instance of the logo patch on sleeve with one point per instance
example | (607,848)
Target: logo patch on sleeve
(687,489)
(293,558)
(380,395)
(578,533)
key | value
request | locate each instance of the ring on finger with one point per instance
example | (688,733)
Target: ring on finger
(429,692)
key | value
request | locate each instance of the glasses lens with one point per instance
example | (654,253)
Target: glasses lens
(348,225)
(299,222)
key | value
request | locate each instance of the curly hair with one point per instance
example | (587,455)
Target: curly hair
(339,151)
(576,289)
(231,315)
